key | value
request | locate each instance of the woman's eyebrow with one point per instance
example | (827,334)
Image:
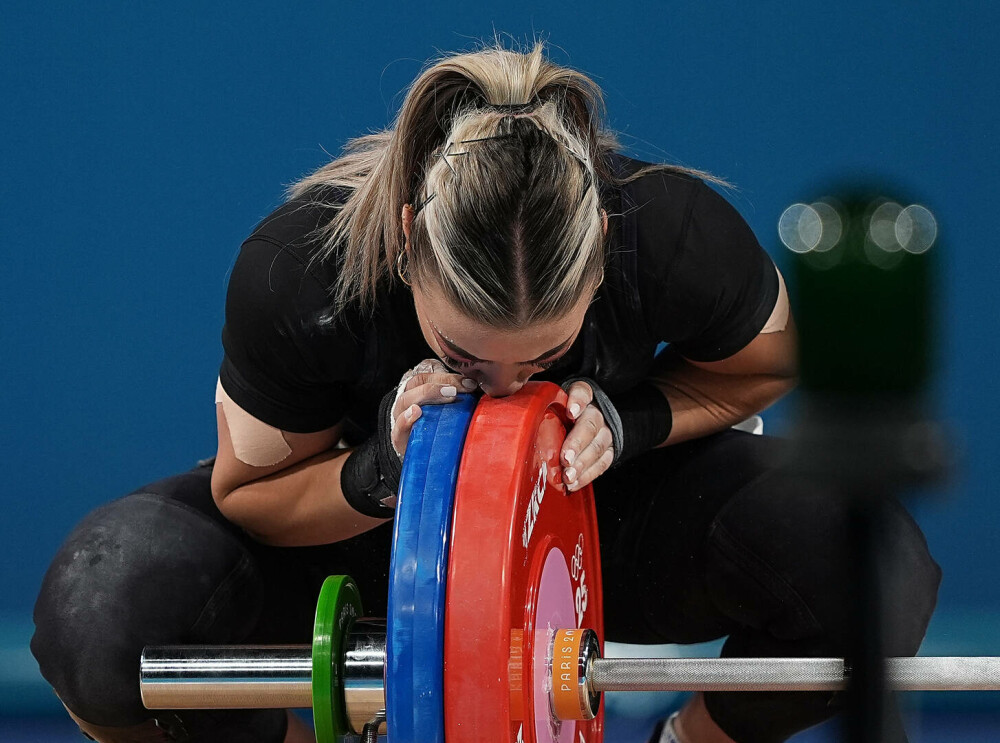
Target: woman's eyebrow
(462,352)
(550,352)
(457,350)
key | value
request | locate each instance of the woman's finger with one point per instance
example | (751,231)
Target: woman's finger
(580,396)
(431,388)
(432,393)
(597,469)
(418,380)
(589,456)
(428,383)
(402,426)
(588,423)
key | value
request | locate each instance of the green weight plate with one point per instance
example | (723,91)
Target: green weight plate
(338,606)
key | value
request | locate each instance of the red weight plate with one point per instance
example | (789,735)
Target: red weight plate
(524,555)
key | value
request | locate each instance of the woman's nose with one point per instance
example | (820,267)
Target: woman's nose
(503,382)
(496,391)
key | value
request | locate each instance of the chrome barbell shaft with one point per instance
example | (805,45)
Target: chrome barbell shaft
(264,676)
(787,674)
(943,673)
(268,676)
(226,676)
(715,674)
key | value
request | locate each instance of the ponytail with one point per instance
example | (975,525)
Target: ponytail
(465,97)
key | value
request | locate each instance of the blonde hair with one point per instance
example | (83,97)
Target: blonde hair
(508,224)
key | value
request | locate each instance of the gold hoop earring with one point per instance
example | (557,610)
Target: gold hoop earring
(400,268)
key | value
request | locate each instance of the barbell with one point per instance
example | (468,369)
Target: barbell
(494,627)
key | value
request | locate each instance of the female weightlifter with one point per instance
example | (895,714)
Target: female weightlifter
(493,235)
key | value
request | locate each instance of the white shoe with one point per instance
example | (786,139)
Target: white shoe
(669,732)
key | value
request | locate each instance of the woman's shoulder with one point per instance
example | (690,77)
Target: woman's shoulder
(277,283)
(669,209)
(287,361)
(297,225)
(659,189)
(655,209)
(705,283)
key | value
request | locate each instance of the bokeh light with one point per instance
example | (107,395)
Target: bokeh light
(916,229)
(882,237)
(815,227)
(880,257)
(894,230)
(813,231)
(882,226)
(800,228)
(832,224)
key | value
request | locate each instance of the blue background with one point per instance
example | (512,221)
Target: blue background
(141,142)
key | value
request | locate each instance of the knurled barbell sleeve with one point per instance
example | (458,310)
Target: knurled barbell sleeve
(787,674)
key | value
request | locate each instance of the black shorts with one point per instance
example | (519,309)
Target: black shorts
(700,540)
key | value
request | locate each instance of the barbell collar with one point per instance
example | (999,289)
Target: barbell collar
(364,675)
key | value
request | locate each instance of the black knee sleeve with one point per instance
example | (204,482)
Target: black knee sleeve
(782,565)
(909,582)
(782,560)
(141,570)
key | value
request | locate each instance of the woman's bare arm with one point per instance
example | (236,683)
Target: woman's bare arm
(707,397)
(295,502)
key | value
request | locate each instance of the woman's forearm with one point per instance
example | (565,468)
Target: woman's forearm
(703,402)
(298,506)
(303,504)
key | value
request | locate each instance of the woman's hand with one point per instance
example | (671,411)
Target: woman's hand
(587,451)
(428,383)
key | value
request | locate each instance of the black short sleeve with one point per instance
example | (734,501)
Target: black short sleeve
(275,366)
(707,285)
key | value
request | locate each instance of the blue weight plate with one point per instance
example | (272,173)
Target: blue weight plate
(415,627)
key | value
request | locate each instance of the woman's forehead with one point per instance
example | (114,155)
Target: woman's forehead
(472,339)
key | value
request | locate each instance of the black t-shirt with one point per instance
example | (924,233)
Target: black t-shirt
(684,268)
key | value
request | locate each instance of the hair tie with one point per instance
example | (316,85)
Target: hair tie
(512,108)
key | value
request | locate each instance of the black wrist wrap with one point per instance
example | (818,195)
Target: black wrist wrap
(639,418)
(369,478)
(646,419)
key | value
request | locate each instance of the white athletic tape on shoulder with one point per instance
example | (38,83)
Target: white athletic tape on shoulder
(254,442)
(778,320)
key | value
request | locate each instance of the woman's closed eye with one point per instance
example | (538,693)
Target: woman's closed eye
(544,364)
(465,363)
(456,363)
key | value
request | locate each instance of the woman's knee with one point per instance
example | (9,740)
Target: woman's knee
(783,560)
(909,581)
(141,570)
